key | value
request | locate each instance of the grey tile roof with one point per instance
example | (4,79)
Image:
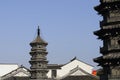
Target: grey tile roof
(86,77)
(38,40)
(17,78)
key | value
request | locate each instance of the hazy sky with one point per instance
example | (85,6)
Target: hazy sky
(67,26)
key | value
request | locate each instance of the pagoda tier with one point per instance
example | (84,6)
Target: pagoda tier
(38,59)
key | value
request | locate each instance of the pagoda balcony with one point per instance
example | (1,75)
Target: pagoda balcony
(103,49)
(114,77)
(39,58)
(105,1)
(110,20)
(41,49)
(37,67)
(113,19)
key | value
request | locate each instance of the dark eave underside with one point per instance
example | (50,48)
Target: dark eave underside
(108,57)
(103,5)
(103,31)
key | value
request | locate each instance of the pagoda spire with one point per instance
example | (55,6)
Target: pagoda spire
(38,31)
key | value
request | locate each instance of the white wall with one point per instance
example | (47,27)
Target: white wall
(49,74)
(6,68)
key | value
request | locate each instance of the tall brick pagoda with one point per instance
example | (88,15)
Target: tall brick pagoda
(38,60)
(109,33)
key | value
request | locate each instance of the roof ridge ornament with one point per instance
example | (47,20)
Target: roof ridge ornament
(74,58)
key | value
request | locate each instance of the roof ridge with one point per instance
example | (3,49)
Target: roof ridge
(78,60)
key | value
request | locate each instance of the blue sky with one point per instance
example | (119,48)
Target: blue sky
(67,26)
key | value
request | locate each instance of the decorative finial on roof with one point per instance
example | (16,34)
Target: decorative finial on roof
(38,31)
(21,66)
(74,58)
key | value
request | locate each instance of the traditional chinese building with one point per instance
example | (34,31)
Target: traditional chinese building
(109,33)
(75,69)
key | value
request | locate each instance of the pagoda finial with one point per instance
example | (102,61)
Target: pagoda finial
(38,31)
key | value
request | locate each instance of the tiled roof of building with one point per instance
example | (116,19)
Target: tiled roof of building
(85,77)
(17,78)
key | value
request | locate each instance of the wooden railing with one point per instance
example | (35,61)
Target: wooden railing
(114,77)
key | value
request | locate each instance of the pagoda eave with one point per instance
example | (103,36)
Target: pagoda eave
(107,58)
(98,59)
(106,6)
(38,70)
(38,61)
(38,52)
(104,33)
(38,43)
(99,33)
(109,1)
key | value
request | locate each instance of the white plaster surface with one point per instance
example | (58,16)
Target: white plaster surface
(6,68)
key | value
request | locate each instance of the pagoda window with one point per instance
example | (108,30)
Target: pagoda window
(39,65)
(42,74)
(119,42)
(38,74)
(115,72)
